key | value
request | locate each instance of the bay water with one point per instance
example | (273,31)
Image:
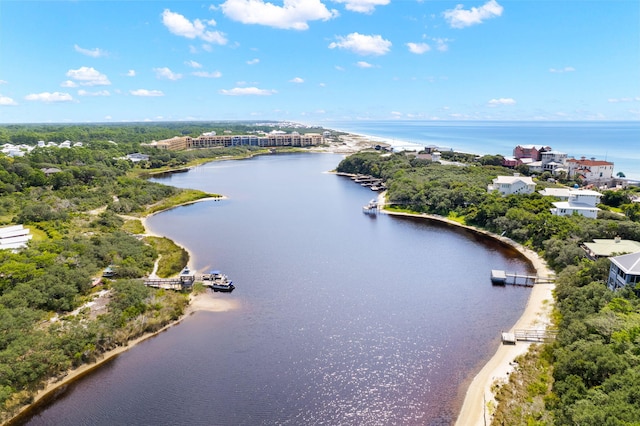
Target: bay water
(340,318)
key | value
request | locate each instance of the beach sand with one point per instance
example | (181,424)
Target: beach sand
(479,398)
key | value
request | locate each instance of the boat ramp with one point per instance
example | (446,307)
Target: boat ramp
(499,277)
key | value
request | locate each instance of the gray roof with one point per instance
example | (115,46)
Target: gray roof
(629,263)
(604,247)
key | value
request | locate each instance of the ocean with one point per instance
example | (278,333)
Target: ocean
(615,141)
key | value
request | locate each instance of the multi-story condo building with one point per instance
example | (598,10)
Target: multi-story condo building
(210,140)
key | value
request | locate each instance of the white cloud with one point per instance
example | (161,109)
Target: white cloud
(242,91)
(181,26)
(363,64)
(561,70)
(94,53)
(362,44)
(98,93)
(5,100)
(193,64)
(166,73)
(418,48)
(205,74)
(296,80)
(3,81)
(88,76)
(253,61)
(362,6)
(460,18)
(131,73)
(68,83)
(501,101)
(49,97)
(618,100)
(145,92)
(292,15)
(442,44)
(339,68)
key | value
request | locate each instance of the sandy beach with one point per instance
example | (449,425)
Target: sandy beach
(479,398)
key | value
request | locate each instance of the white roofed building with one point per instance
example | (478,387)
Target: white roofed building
(515,184)
(624,270)
(580,201)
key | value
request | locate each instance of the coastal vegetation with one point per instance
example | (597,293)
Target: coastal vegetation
(82,206)
(589,374)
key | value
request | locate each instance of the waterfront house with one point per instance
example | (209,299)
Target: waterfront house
(624,270)
(136,157)
(530,151)
(580,201)
(590,171)
(515,184)
(610,247)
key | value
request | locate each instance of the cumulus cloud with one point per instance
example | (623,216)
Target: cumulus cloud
(292,15)
(418,48)
(68,83)
(82,92)
(460,18)
(442,44)
(5,101)
(205,74)
(181,26)
(166,73)
(193,64)
(362,44)
(94,53)
(501,101)
(146,93)
(243,91)
(561,70)
(49,97)
(362,6)
(253,61)
(363,64)
(88,76)
(296,80)
(131,73)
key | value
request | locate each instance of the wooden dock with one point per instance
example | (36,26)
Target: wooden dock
(499,277)
(181,283)
(524,335)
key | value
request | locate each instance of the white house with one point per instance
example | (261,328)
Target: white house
(515,184)
(624,270)
(590,171)
(562,194)
(14,237)
(136,157)
(581,201)
(553,160)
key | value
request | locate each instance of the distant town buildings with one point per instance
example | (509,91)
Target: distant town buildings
(540,159)
(515,184)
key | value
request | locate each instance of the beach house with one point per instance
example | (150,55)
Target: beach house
(624,270)
(515,184)
(580,201)
(590,171)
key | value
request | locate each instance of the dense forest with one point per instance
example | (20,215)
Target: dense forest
(590,375)
(81,206)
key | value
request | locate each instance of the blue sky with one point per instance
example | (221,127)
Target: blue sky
(316,60)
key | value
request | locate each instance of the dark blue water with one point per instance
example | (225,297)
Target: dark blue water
(340,318)
(618,142)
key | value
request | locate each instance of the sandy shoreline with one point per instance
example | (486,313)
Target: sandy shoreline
(479,397)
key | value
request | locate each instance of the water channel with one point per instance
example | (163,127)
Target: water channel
(340,318)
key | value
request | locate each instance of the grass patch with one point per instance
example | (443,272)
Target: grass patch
(133,226)
(38,234)
(184,197)
(456,218)
(172,257)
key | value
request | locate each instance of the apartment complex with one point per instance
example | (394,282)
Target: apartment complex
(212,140)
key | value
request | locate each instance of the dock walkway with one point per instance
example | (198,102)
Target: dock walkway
(499,277)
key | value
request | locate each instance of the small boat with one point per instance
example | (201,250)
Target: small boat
(219,281)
